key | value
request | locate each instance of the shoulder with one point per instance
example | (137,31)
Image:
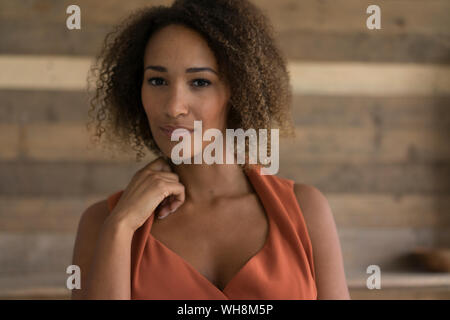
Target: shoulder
(95,214)
(89,225)
(313,203)
(91,221)
(322,231)
(316,211)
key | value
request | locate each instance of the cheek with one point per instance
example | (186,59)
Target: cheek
(149,103)
(144,98)
(215,113)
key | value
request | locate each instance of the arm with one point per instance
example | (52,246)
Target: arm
(102,251)
(329,267)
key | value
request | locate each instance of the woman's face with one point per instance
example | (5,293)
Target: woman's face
(181,84)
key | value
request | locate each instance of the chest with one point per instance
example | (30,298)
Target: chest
(217,241)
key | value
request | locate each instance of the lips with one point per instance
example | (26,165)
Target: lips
(167,130)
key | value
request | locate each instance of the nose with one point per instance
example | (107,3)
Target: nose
(177,101)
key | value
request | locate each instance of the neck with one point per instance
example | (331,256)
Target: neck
(208,182)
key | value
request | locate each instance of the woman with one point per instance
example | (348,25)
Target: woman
(225,231)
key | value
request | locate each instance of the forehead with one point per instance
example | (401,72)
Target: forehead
(176,44)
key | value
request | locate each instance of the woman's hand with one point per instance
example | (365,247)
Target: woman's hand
(153,188)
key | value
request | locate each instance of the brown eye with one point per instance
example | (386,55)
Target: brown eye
(156,81)
(201,83)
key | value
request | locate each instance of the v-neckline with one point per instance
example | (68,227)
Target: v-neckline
(246,264)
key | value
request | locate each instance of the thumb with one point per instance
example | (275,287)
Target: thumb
(175,204)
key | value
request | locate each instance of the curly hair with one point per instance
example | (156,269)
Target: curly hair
(242,40)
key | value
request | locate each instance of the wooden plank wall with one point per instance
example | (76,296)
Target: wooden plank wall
(371,109)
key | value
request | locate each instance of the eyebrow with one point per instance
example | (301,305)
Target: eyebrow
(188,70)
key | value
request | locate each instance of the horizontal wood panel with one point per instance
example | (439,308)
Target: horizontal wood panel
(389,248)
(64,178)
(93,11)
(299,45)
(44,72)
(390,280)
(9,142)
(35,253)
(368,145)
(27,106)
(47,106)
(52,142)
(328,30)
(37,285)
(398,16)
(404,112)
(44,214)
(325,78)
(30,178)
(374,79)
(62,214)
(386,210)
(60,141)
(438,293)
(327,15)
(364,47)
(397,179)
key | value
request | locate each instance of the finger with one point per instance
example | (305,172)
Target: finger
(164,209)
(177,199)
(173,190)
(174,201)
(160,164)
(145,176)
(159,209)
(169,208)
(164,212)
(166,167)
(168,176)
(175,204)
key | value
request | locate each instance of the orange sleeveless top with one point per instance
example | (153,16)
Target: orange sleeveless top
(282,270)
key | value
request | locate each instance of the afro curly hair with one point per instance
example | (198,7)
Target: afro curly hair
(242,40)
